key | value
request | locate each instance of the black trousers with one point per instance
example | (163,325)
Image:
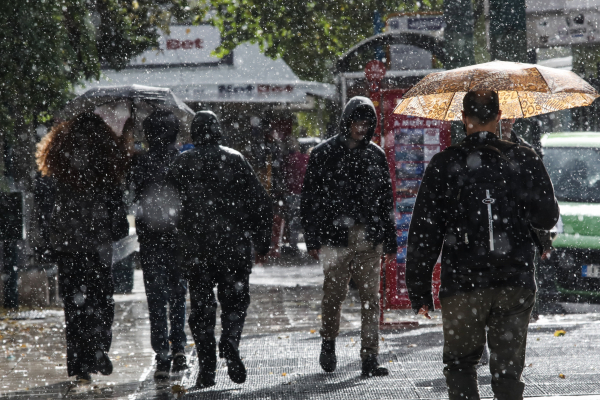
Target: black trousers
(229,272)
(499,316)
(165,290)
(87,291)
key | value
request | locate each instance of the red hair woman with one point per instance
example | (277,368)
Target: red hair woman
(87,162)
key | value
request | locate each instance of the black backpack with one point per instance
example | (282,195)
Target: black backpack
(486,221)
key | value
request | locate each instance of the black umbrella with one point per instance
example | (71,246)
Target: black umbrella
(137,100)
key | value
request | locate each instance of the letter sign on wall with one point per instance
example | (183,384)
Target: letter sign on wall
(185,45)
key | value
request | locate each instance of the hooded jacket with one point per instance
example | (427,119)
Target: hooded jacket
(223,205)
(430,225)
(344,186)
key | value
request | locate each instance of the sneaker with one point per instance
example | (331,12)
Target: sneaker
(179,363)
(328,359)
(370,367)
(104,364)
(163,366)
(235,367)
(84,378)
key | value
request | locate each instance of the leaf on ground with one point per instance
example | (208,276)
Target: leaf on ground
(284,374)
(561,376)
(178,389)
(313,331)
(412,345)
(560,332)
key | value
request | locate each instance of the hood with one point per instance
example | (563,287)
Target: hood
(205,129)
(358,107)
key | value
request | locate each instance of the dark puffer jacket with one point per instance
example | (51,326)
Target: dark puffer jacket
(344,186)
(224,206)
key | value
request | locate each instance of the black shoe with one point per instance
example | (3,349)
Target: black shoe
(179,363)
(207,362)
(235,367)
(104,364)
(328,359)
(370,367)
(84,378)
(163,366)
(205,379)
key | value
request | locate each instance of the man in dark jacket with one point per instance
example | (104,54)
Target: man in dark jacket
(224,211)
(347,215)
(475,205)
(155,226)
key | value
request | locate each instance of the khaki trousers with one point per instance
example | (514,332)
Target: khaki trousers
(361,261)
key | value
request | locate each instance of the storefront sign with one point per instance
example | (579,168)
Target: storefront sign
(184,45)
(548,30)
(253,91)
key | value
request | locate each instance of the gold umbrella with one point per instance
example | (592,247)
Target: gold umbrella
(524,90)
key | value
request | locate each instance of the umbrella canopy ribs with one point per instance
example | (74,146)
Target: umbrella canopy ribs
(524,90)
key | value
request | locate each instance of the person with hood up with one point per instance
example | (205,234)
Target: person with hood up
(157,205)
(476,205)
(225,211)
(347,215)
(87,163)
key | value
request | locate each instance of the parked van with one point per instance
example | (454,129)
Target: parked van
(572,273)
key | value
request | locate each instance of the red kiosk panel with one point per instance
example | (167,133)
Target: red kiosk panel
(409,143)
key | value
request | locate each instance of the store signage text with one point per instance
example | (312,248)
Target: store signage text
(228,90)
(175,44)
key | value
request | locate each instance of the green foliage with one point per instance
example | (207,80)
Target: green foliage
(308,35)
(48,46)
(311,123)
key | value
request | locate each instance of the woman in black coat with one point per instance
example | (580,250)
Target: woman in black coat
(87,162)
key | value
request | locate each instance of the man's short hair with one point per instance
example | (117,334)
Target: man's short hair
(482,105)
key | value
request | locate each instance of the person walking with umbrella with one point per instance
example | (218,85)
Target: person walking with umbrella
(87,162)
(476,205)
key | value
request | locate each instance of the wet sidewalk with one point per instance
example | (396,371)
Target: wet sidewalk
(286,366)
(280,348)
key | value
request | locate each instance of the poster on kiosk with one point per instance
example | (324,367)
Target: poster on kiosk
(409,143)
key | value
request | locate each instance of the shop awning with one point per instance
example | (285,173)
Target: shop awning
(251,78)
